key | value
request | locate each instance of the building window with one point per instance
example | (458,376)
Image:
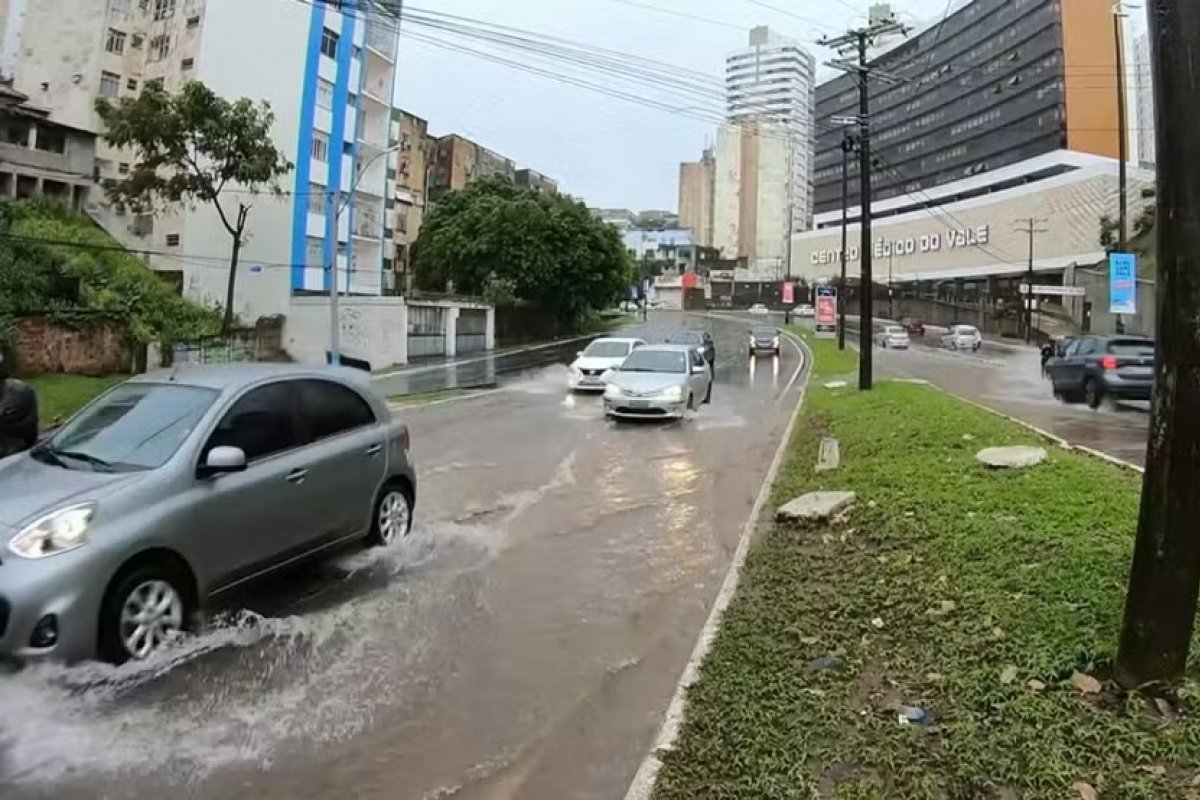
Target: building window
(329,43)
(123,168)
(115,42)
(131,84)
(154,83)
(348,148)
(163,8)
(160,47)
(316,199)
(320,146)
(136,40)
(110,84)
(193,22)
(187,64)
(324,93)
(315,252)
(172,240)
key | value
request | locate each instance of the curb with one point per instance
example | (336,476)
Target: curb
(642,785)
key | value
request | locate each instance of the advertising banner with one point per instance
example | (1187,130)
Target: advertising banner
(1122,283)
(826,311)
(788,295)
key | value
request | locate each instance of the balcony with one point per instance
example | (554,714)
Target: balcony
(382,40)
(367,219)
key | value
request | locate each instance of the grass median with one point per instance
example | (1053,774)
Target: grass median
(988,601)
(828,361)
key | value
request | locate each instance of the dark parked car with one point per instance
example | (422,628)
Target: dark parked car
(700,339)
(1093,368)
(913,327)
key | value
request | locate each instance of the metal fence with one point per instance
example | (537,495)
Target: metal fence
(471,331)
(426,345)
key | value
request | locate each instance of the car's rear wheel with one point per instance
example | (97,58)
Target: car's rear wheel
(1093,395)
(391,519)
(146,608)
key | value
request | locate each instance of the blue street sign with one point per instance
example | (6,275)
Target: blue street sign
(1122,283)
(826,291)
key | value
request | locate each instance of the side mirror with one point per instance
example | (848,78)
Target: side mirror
(222,460)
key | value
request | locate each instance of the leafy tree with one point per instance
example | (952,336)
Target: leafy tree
(190,147)
(496,239)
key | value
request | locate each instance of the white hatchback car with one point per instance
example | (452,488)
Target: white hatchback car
(758,309)
(962,337)
(892,336)
(592,363)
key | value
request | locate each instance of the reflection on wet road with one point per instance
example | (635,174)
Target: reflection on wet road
(1008,379)
(523,642)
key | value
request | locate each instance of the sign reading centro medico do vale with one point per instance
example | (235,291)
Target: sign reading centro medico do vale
(1122,283)
(951,239)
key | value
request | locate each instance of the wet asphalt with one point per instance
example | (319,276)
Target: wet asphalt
(522,643)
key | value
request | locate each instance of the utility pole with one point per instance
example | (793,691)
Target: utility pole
(335,319)
(1031,228)
(1119,15)
(1164,580)
(857,41)
(891,310)
(848,147)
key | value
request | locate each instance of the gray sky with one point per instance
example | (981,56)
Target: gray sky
(609,152)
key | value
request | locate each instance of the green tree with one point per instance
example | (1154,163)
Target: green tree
(190,147)
(496,239)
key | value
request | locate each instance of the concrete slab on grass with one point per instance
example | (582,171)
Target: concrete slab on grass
(815,507)
(1016,457)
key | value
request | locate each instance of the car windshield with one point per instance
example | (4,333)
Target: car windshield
(655,361)
(966,330)
(136,426)
(1131,347)
(607,350)
(894,330)
(764,332)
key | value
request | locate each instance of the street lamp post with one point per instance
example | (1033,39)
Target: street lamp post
(336,205)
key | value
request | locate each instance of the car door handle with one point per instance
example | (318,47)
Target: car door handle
(297,476)
(374,450)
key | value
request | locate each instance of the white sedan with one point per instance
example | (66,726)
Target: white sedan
(962,337)
(758,309)
(592,364)
(892,336)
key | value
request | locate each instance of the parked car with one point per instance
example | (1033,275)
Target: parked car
(591,363)
(805,311)
(892,336)
(759,309)
(659,382)
(1097,367)
(174,487)
(914,327)
(962,337)
(764,339)
(700,339)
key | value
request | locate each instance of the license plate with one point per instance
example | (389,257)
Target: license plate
(639,403)
(1139,372)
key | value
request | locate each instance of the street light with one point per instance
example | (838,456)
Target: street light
(333,204)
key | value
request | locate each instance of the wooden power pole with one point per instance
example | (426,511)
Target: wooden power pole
(1164,581)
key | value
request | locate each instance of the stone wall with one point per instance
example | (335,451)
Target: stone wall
(98,347)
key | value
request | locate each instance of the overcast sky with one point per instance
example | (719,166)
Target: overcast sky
(607,151)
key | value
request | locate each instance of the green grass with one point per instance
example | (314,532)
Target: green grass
(944,580)
(828,361)
(60,396)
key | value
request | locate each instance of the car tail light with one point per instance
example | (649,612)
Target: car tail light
(1108,362)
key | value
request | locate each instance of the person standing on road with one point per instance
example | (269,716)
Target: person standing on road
(18,414)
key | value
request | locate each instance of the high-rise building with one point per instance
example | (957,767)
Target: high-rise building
(750,196)
(325,68)
(1143,83)
(696,197)
(772,81)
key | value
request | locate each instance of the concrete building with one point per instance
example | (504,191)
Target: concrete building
(456,161)
(623,218)
(676,246)
(751,196)
(772,81)
(696,196)
(1143,91)
(411,133)
(42,158)
(327,71)
(531,179)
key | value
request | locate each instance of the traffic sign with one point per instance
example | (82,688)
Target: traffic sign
(1058,291)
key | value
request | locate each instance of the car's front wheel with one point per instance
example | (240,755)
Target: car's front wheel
(145,608)
(392,517)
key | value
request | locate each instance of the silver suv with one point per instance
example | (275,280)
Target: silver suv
(174,487)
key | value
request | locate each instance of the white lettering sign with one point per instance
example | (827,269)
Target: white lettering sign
(951,239)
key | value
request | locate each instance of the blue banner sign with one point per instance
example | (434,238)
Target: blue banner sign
(1122,283)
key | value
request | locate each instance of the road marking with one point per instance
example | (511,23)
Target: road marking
(643,782)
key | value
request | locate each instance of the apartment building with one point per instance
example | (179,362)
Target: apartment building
(752,209)
(1143,122)
(457,161)
(696,196)
(412,165)
(41,158)
(326,68)
(530,179)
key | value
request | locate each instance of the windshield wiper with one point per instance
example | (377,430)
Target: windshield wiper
(98,464)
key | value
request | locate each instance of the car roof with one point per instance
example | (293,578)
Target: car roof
(232,377)
(666,347)
(620,339)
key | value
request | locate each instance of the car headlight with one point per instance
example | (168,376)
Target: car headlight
(612,390)
(671,394)
(57,532)
(775,342)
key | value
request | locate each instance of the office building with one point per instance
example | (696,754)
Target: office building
(772,81)
(696,196)
(325,68)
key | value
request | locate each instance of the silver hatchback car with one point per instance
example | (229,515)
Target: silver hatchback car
(173,487)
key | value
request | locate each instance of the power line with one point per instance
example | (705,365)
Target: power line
(682,14)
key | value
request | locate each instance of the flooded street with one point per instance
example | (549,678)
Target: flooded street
(1008,379)
(523,642)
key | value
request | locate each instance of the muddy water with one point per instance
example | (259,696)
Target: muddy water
(522,643)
